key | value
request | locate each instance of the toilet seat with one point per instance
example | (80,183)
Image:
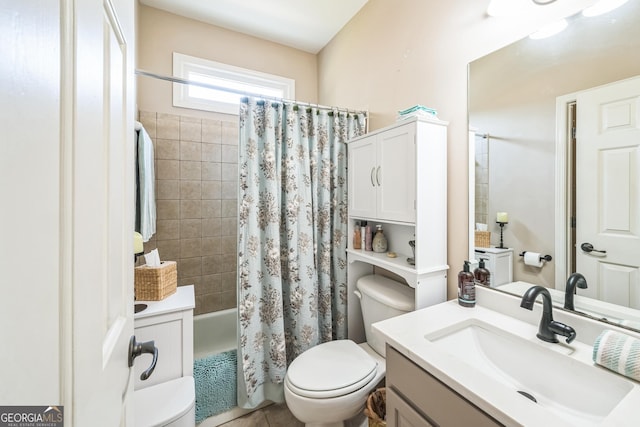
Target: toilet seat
(331,369)
(161,404)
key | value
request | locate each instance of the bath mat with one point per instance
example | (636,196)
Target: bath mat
(216,387)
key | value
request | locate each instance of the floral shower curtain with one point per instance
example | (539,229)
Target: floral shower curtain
(292,237)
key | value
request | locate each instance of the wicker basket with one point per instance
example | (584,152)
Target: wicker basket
(156,283)
(376,408)
(482,239)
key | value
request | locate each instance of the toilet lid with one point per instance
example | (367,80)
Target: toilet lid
(160,404)
(331,369)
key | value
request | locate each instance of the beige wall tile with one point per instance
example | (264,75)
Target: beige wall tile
(212,171)
(229,245)
(169,250)
(229,208)
(168,189)
(229,154)
(190,247)
(167,149)
(229,263)
(168,126)
(190,267)
(148,120)
(190,170)
(190,130)
(211,246)
(211,131)
(229,226)
(168,169)
(190,150)
(195,281)
(190,190)
(168,209)
(228,299)
(211,190)
(211,227)
(211,152)
(229,172)
(168,229)
(212,264)
(229,190)
(229,280)
(190,228)
(210,283)
(211,208)
(230,133)
(207,303)
(190,209)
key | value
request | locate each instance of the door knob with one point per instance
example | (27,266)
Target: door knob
(138,348)
(588,247)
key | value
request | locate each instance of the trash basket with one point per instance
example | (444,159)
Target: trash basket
(376,408)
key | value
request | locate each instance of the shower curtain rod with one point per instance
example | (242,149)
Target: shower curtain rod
(239,92)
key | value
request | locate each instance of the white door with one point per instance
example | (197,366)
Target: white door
(99,201)
(396,174)
(608,192)
(362,177)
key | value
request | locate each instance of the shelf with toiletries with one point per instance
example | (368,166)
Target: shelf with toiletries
(398,179)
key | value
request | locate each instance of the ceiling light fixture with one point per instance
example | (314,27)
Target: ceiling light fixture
(543,2)
(602,7)
(511,8)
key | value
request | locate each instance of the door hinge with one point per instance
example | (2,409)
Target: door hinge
(573,132)
(573,222)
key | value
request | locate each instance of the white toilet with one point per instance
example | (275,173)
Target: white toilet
(167,397)
(329,383)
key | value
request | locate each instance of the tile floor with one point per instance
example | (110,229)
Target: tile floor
(276,415)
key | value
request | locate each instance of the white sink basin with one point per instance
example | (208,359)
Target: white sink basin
(576,392)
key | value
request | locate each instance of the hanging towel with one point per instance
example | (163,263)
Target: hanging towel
(146,200)
(618,352)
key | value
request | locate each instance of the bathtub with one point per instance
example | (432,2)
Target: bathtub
(215,333)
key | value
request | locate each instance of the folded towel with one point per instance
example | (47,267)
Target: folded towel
(417,108)
(618,352)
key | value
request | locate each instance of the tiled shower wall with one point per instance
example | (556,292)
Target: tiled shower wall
(482,180)
(196,201)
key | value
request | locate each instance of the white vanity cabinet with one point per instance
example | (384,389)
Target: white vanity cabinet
(416,398)
(382,182)
(499,262)
(398,178)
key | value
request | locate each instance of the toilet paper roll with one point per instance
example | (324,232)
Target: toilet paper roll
(532,259)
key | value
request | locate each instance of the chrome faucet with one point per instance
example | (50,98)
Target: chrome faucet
(548,327)
(576,279)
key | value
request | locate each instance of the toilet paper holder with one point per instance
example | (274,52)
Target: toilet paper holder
(542,257)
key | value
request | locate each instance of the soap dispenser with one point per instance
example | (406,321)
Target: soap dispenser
(466,287)
(379,241)
(482,275)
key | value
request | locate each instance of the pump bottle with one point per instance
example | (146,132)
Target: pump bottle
(466,287)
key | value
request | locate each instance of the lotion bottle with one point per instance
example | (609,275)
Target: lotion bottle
(357,238)
(482,275)
(466,287)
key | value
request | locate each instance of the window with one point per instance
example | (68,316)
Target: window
(226,76)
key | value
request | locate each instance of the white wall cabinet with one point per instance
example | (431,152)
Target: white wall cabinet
(383,170)
(398,178)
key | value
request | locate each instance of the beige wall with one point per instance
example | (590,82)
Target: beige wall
(395,54)
(161,33)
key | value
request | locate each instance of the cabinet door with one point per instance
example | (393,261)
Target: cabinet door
(362,183)
(396,174)
(401,414)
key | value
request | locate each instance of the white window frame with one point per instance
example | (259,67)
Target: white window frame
(255,82)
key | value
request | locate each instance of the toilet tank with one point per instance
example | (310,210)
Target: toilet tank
(382,298)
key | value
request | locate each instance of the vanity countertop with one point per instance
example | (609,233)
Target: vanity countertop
(407,334)
(182,299)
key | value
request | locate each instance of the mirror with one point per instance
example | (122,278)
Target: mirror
(512,109)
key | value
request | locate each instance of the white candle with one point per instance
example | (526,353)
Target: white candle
(502,217)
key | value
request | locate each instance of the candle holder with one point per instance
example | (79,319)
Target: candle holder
(501,224)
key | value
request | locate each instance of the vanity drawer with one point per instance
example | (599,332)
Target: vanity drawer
(438,403)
